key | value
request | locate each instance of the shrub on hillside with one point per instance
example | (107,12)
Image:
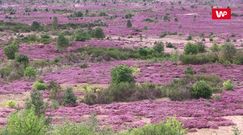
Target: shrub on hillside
(11,50)
(158,47)
(227,53)
(30,72)
(69,98)
(189,71)
(169,127)
(39,85)
(201,58)
(129,24)
(201,89)
(36,103)
(26,122)
(122,73)
(22,59)
(191,48)
(82,36)
(228,85)
(98,33)
(36,26)
(62,43)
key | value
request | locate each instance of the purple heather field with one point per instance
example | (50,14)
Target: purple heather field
(130,31)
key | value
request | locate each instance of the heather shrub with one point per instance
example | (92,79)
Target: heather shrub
(11,50)
(201,89)
(30,72)
(169,127)
(122,73)
(158,47)
(22,59)
(26,123)
(228,85)
(55,91)
(39,85)
(62,43)
(227,53)
(69,99)
(36,103)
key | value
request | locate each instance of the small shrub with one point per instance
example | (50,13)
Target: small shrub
(22,59)
(55,23)
(62,43)
(158,47)
(54,104)
(35,26)
(36,103)
(39,85)
(190,49)
(11,50)
(228,85)
(201,58)
(69,98)
(45,39)
(215,48)
(82,36)
(170,45)
(26,122)
(227,53)
(169,127)
(189,71)
(201,89)
(30,72)
(189,37)
(98,33)
(122,73)
(129,24)
(11,103)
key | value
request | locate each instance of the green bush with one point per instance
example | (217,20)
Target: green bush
(159,47)
(36,103)
(22,59)
(227,53)
(45,39)
(122,73)
(26,123)
(82,36)
(201,89)
(62,43)
(215,48)
(69,98)
(201,58)
(169,127)
(228,85)
(30,72)
(11,103)
(39,85)
(194,48)
(36,26)
(98,33)
(11,50)
(189,71)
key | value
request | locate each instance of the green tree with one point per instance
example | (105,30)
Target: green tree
(26,123)
(36,103)
(69,98)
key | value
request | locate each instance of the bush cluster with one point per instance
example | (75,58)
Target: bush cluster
(191,48)
(87,35)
